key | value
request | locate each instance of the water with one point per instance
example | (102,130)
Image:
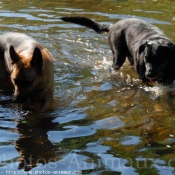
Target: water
(101,122)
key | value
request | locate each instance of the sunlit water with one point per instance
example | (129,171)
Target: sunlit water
(101,121)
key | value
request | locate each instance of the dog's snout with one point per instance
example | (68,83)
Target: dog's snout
(150,74)
(19,98)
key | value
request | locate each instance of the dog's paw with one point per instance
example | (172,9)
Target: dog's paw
(116,66)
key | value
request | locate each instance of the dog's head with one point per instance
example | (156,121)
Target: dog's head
(25,72)
(157,61)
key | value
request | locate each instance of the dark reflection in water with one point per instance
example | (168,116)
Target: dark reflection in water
(33,145)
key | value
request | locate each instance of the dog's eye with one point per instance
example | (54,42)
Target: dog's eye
(27,83)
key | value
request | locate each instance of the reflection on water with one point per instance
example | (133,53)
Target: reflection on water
(33,145)
(101,121)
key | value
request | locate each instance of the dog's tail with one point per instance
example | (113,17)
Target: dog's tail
(99,28)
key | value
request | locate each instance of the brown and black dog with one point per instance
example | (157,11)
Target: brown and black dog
(29,66)
(150,51)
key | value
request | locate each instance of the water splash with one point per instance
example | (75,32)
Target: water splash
(156,91)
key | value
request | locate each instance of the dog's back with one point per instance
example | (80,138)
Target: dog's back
(136,30)
(15,39)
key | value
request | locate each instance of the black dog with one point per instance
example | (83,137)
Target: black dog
(147,48)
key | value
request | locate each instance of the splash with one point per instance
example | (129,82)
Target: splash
(103,64)
(156,91)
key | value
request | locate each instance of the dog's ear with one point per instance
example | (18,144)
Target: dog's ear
(167,51)
(146,48)
(141,48)
(13,55)
(37,60)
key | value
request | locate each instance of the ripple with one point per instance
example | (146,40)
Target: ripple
(26,16)
(104,87)
(7,136)
(130,140)
(68,115)
(7,152)
(123,16)
(72,132)
(110,123)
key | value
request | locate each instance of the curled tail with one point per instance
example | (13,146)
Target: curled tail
(88,23)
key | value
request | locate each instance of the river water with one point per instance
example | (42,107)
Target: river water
(101,122)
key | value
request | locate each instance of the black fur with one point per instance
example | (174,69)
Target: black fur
(147,48)
(88,23)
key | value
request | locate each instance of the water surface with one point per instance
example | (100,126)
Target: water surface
(101,121)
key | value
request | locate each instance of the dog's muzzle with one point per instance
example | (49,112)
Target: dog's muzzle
(20,98)
(150,72)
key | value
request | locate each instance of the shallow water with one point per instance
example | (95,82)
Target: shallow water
(101,121)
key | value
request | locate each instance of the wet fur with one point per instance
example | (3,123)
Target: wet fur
(28,65)
(147,48)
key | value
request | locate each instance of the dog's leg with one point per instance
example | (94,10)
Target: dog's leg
(118,60)
(130,59)
(118,51)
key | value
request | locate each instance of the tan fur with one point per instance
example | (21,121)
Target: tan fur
(29,66)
